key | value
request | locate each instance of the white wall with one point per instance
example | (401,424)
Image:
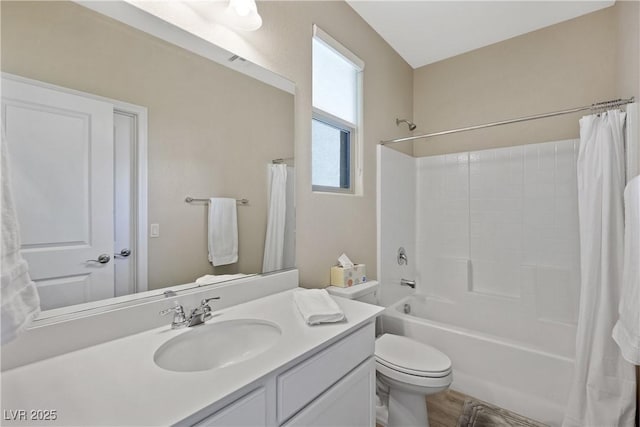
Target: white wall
(396,207)
(498,244)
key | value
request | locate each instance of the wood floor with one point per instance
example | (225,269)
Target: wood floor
(445,408)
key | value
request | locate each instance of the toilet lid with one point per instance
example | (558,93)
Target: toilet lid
(412,357)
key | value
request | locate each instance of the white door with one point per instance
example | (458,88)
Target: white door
(61,160)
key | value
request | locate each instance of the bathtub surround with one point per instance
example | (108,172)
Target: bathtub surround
(496,254)
(497,234)
(489,366)
(396,212)
(603,387)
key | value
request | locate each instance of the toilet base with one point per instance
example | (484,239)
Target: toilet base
(407,409)
(407,405)
(382,412)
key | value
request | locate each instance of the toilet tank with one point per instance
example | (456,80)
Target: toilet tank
(364,292)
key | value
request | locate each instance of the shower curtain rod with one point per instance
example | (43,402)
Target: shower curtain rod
(596,106)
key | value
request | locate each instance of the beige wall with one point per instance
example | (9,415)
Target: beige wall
(590,58)
(328,225)
(212,131)
(627,17)
(628,48)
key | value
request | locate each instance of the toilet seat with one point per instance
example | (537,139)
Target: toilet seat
(413,383)
(413,358)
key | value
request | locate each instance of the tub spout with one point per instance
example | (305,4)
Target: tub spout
(410,283)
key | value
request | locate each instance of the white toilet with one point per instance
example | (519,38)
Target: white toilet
(408,370)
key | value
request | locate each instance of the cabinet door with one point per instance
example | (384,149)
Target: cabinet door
(249,410)
(350,402)
(303,383)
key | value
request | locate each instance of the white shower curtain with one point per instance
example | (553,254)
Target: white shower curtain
(603,387)
(274,240)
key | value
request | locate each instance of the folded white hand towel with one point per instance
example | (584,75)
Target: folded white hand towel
(223,231)
(627,330)
(209,279)
(316,306)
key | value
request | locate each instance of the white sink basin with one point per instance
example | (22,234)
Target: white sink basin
(216,345)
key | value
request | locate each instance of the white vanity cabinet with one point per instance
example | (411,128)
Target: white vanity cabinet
(350,402)
(249,410)
(332,387)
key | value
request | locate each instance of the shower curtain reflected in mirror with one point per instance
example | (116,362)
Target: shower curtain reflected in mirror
(279,239)
(603,388)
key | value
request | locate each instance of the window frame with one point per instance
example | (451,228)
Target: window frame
(345,126)
(355,129)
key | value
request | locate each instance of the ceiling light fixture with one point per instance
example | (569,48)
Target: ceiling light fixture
(243,15)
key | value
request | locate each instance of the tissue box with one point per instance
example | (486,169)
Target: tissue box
(345,277)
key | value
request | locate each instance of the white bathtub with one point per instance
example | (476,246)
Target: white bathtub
(501,371)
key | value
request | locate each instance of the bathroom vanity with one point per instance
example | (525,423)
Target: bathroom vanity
(296,374)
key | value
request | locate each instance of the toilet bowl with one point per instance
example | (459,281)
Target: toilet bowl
(409,370)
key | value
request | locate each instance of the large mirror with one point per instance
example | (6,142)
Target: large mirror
(174,124)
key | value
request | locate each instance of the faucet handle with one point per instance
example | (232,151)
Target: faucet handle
(206,308)
(206,301)
(179,318)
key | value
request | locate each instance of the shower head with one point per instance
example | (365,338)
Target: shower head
(411,125)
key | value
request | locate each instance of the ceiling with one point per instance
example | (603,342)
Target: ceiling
(424,31)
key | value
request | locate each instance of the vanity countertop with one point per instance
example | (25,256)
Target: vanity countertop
(118,382)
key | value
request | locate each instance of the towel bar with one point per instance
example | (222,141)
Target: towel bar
(190,199)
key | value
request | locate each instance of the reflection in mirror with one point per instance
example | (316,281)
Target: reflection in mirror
(101,163)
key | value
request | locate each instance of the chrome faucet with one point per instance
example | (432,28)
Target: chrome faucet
(197,316)
(201,314)
(409,283)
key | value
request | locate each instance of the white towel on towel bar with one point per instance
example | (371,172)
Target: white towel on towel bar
(627,330)
(316,306)
(223,231)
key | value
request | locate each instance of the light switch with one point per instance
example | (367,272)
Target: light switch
(155,230)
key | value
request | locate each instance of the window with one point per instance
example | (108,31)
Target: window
(336,132)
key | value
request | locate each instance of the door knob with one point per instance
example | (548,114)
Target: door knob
(123,253)
(102,259)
